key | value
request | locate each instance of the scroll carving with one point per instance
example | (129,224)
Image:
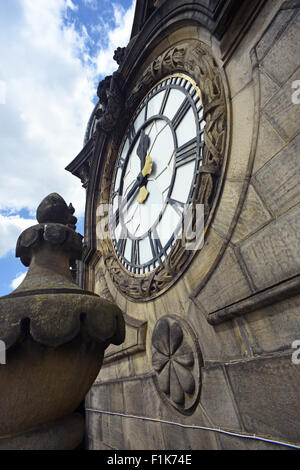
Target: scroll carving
(111,102)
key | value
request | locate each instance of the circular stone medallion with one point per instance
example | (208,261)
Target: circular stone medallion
(176,360)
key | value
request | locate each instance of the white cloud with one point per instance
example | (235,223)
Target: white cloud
(117,37)
(17,281)
(49,96)
(71,5)
(10,229)
(50,81)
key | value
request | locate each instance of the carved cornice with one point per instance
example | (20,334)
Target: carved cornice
(81,165)
(216,15)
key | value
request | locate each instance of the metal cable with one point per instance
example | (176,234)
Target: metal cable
(203,428)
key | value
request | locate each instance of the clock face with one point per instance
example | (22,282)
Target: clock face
(155,173)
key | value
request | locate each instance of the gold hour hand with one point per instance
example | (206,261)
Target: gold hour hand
(147,170)
(143,194)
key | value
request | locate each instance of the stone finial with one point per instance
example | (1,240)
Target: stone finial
(53,209)
(55,335)
(56,227)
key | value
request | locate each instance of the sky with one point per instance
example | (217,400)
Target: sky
(53,53)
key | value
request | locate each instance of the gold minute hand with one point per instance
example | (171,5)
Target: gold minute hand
(147,170)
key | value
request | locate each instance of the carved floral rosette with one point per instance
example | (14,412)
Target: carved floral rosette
(193,58)
(176,360)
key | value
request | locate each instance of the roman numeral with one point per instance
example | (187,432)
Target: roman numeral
(121,162)
(115,219)
(181,112)
(187,152)
(131,134)
(164,101)
(121,245)
(178,206)
(135,252)
(155,243)
(114,194)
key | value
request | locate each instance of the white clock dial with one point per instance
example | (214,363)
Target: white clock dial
(155,173)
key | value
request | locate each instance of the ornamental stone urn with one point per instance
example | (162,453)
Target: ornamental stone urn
(55,336)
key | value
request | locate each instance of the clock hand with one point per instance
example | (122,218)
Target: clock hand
(143,147)
(139,182)
(147,170)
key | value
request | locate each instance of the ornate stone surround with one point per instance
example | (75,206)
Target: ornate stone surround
(194,58)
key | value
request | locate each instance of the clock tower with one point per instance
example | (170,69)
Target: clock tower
(191,228)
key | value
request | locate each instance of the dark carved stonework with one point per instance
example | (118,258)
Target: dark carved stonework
(195,59)
(119,55)
(176,360)
(111,102)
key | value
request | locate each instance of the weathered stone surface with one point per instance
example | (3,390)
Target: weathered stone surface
(275,327)
(98,398)
(153,408)
(226,285)
(273,254)
(282,112)
(220,343)
(94,444)
(283,58)
(279,180)
(65,434)
(101,426)
(135,436)
(182,34)
(267,88)
(204,260)
(238,70)
(187,438)
(267,393)
(269,143)
(243,119)
(48,383)
(253,216)
(93,425)
(217,400)
(273,32)
(107,373)
(227,208)
(235,443)
(112,431)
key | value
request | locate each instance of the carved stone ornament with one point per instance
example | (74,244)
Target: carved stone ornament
(119,55)
(55,336)
(176,360)
(195,59)
(110,104)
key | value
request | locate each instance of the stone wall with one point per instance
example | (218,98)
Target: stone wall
(239,296)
